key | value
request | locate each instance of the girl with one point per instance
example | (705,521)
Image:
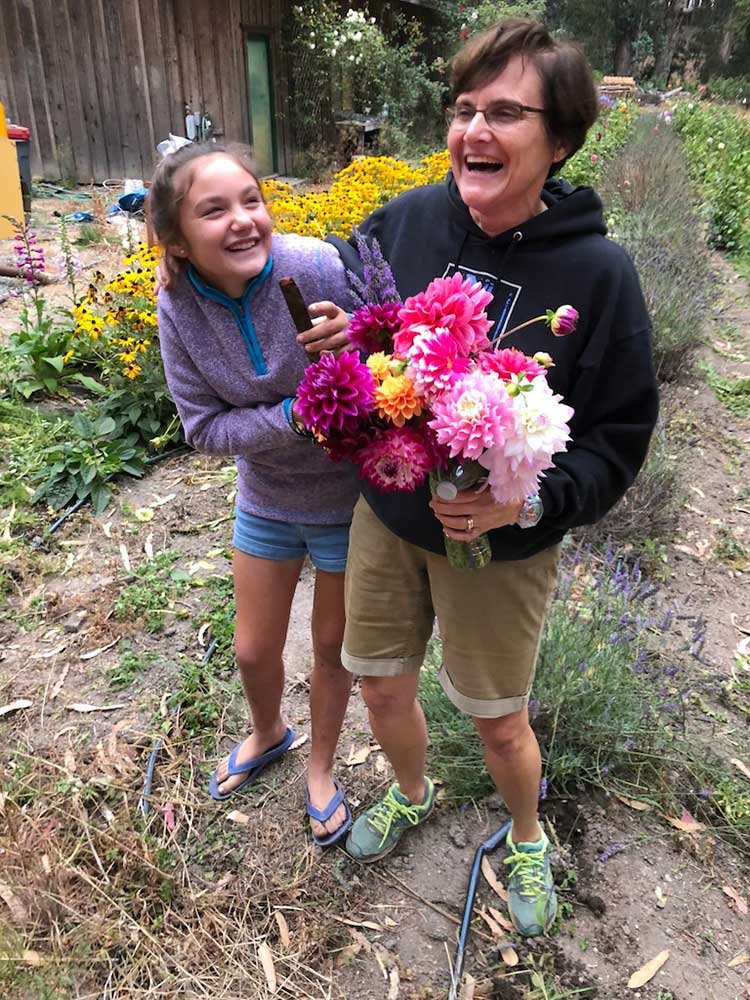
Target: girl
(233,360)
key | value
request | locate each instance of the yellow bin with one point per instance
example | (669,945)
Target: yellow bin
(11,200)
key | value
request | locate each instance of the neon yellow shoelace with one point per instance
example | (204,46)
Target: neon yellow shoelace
(529,868)
(390,809)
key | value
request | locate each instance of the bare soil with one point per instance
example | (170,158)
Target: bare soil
(390,930)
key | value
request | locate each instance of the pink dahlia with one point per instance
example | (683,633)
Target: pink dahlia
(474,415)
(457,304)
(345,445)
(372,327)
(563,320)
(396,460)
(509,362)
(335,394)
(435,361)
(540,432)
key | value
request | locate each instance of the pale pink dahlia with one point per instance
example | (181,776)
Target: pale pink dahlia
(435,361)
(372,327)
(335,394)
(540,432)
(396,460)
(474,415)
(509,362)
(457,304)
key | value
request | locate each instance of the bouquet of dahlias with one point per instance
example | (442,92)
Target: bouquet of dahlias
(430,395)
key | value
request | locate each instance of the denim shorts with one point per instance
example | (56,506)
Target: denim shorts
(326,544)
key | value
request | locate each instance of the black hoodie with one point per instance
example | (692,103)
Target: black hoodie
(604,370)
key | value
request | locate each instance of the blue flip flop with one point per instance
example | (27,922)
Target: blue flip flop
(323,815)
(250,768)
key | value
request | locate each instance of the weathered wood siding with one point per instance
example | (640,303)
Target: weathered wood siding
(100,82)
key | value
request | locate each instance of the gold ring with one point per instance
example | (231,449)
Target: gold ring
(469,523)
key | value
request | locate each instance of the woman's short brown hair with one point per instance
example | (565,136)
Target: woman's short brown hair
(568,90)
(168,189)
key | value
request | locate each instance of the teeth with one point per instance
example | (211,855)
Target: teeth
(247,245)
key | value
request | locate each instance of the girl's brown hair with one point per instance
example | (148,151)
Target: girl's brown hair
(168,189)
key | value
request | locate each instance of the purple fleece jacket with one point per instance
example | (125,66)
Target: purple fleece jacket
(233,367)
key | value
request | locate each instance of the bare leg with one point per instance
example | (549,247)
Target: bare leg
(330,686)
(398,724)
(263,589)
(514,762)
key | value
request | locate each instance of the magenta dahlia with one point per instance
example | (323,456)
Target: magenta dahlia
(457,304)
(335,394)
(509,362)
(396,460)
(371,328)
(435,361)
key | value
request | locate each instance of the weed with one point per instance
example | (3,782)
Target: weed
(151,595)
(199,699)
(730,550)
(544,985)
(733,393)
(221,620)
(89,234)
(130,665)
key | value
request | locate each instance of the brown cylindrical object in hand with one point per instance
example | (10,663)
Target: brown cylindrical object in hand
(297,309)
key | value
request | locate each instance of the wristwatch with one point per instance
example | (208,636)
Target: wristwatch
(531,511)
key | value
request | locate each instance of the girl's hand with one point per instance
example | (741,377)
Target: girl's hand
(473,512)
(329,332)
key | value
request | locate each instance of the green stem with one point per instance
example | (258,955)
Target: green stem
(515,329)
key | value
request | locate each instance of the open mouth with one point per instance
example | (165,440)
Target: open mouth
(242,245)
(476,165)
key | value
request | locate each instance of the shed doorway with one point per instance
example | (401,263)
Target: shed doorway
(260,97)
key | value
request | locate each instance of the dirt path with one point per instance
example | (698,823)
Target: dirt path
(356,933)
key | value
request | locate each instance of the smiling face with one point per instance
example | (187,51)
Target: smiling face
(224,224)
(500,173)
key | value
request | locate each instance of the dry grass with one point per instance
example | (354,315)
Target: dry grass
(107,904)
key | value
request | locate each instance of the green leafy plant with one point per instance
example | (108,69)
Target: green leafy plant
(152,593)
(81,466)
(131,664)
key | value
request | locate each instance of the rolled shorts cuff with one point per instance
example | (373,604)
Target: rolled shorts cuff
(480,708)
(396,666)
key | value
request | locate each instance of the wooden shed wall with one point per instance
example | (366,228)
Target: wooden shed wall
(100,82)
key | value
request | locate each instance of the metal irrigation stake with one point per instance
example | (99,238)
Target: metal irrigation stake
(458,959)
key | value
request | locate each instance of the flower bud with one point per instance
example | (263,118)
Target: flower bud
(544,359)
(563,321)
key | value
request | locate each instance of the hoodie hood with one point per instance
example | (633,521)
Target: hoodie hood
(571,211)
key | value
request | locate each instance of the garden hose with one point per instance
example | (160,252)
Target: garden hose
(458,960)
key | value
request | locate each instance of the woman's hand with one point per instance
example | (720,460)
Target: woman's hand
(473,512)
(329,331)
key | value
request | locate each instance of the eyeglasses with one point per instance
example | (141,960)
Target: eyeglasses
(497,116)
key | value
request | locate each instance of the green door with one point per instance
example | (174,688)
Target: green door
(261,103)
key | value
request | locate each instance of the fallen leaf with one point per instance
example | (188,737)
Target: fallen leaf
(160,501)
(358,757)
(742,959)
(143,514)
(102,649)
(266,960)
(125,557)
(739,902)
(370,925)
(299,741)
(202,634)
(647,972)
(686,823)
(733,619)
(508,954)
(50,652)
(283,928)
(661,899)
(82,706)
(59,682)
(740,766)
(148,547)
(395,983)
(14,904)
(501,919)
(15,706)
(235,816)
(493,881)
(699,491)
(470,985)
(633,803)
(32,958)
(389,921)
(169,820)
(69,760)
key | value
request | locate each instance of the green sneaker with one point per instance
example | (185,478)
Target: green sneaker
(532,901)
(377,831)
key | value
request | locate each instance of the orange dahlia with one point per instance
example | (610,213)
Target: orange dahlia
(396,400)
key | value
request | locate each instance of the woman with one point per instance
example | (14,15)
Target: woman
(523,103)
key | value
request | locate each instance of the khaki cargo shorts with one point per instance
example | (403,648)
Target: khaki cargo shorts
(490,620)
